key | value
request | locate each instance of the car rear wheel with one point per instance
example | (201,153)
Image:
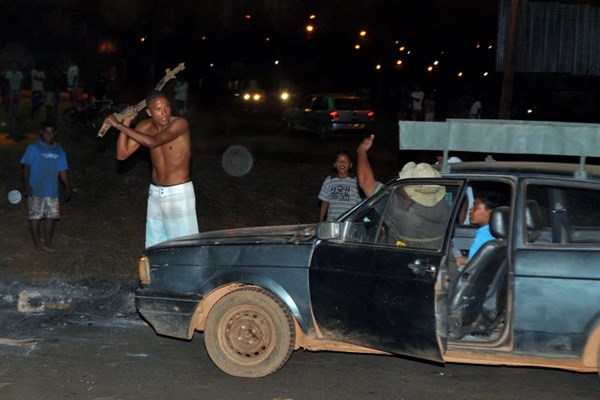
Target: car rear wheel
(249,333)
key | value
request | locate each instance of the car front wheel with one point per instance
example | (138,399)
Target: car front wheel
(249,333)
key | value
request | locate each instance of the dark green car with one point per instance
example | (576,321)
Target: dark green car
(529,297)
(329,114)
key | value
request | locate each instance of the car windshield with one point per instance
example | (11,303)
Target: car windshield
(351,104)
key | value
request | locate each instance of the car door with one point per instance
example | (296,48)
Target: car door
(557,267)
(373,291)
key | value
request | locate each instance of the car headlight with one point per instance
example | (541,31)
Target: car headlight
(144,270)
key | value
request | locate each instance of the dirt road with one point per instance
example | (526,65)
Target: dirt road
(79,358)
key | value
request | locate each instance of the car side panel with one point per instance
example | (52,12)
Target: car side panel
(280,268)
(556,299)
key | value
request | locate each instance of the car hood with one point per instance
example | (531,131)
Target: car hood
(265,234)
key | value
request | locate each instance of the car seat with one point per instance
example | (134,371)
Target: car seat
(472,287)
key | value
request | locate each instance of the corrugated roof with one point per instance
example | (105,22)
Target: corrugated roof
(554,37)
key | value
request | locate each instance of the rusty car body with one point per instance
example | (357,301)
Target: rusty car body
(531,297)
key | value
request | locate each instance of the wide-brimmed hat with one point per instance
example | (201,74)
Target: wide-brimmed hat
(426,195)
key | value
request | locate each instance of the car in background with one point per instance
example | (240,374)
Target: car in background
(328,114)
(256,99)
(530,297)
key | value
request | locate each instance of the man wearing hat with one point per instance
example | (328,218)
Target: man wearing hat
(418,215)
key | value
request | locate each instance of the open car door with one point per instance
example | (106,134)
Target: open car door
(371,288)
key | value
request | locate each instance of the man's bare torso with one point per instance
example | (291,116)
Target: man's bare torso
(170,161)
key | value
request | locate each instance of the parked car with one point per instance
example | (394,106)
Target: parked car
(328,114)
(531,297)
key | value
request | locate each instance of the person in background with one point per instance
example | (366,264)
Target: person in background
(52,96)
(417,96)
(38,77)
(429,107)
(44,163)
(181,96)
(13,78)
(73,81)
(339,191)
(475,111)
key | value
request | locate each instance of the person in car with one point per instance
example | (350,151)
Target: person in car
(418,214)
(479,214)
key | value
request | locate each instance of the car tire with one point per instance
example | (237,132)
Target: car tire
(249,333)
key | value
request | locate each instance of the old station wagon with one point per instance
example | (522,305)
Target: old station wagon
(530,297)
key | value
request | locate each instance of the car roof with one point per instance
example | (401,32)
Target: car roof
(336,95)
(554,169)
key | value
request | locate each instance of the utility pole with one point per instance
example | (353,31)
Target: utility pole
(509,62)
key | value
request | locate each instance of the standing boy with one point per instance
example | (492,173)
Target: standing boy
(339,191)
(44,162)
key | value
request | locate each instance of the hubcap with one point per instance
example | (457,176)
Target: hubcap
(248,334)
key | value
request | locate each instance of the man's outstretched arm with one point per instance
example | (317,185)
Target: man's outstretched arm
(364,172)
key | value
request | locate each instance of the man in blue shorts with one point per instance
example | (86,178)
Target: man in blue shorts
(44,162)
(171,200)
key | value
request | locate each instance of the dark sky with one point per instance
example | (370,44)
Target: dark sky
(254,33)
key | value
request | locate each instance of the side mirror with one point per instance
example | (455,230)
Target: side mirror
(331,230)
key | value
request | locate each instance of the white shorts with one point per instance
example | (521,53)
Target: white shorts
(171,212)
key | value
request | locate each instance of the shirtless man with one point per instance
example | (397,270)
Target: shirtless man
(171,200)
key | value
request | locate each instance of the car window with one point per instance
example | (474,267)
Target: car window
(307,102)
(562,215)
(323,104)
(342,103)
(394,219)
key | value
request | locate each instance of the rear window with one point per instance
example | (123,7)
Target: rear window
(565,215)
(350,104)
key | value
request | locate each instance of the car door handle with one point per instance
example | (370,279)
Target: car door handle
(420,267)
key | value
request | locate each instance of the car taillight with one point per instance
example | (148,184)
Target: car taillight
(371,115)
(335,116)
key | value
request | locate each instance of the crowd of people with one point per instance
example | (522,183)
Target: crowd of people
(417,105)
(45,82)
(171,209)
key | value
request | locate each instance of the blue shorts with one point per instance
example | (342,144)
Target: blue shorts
(171,212)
